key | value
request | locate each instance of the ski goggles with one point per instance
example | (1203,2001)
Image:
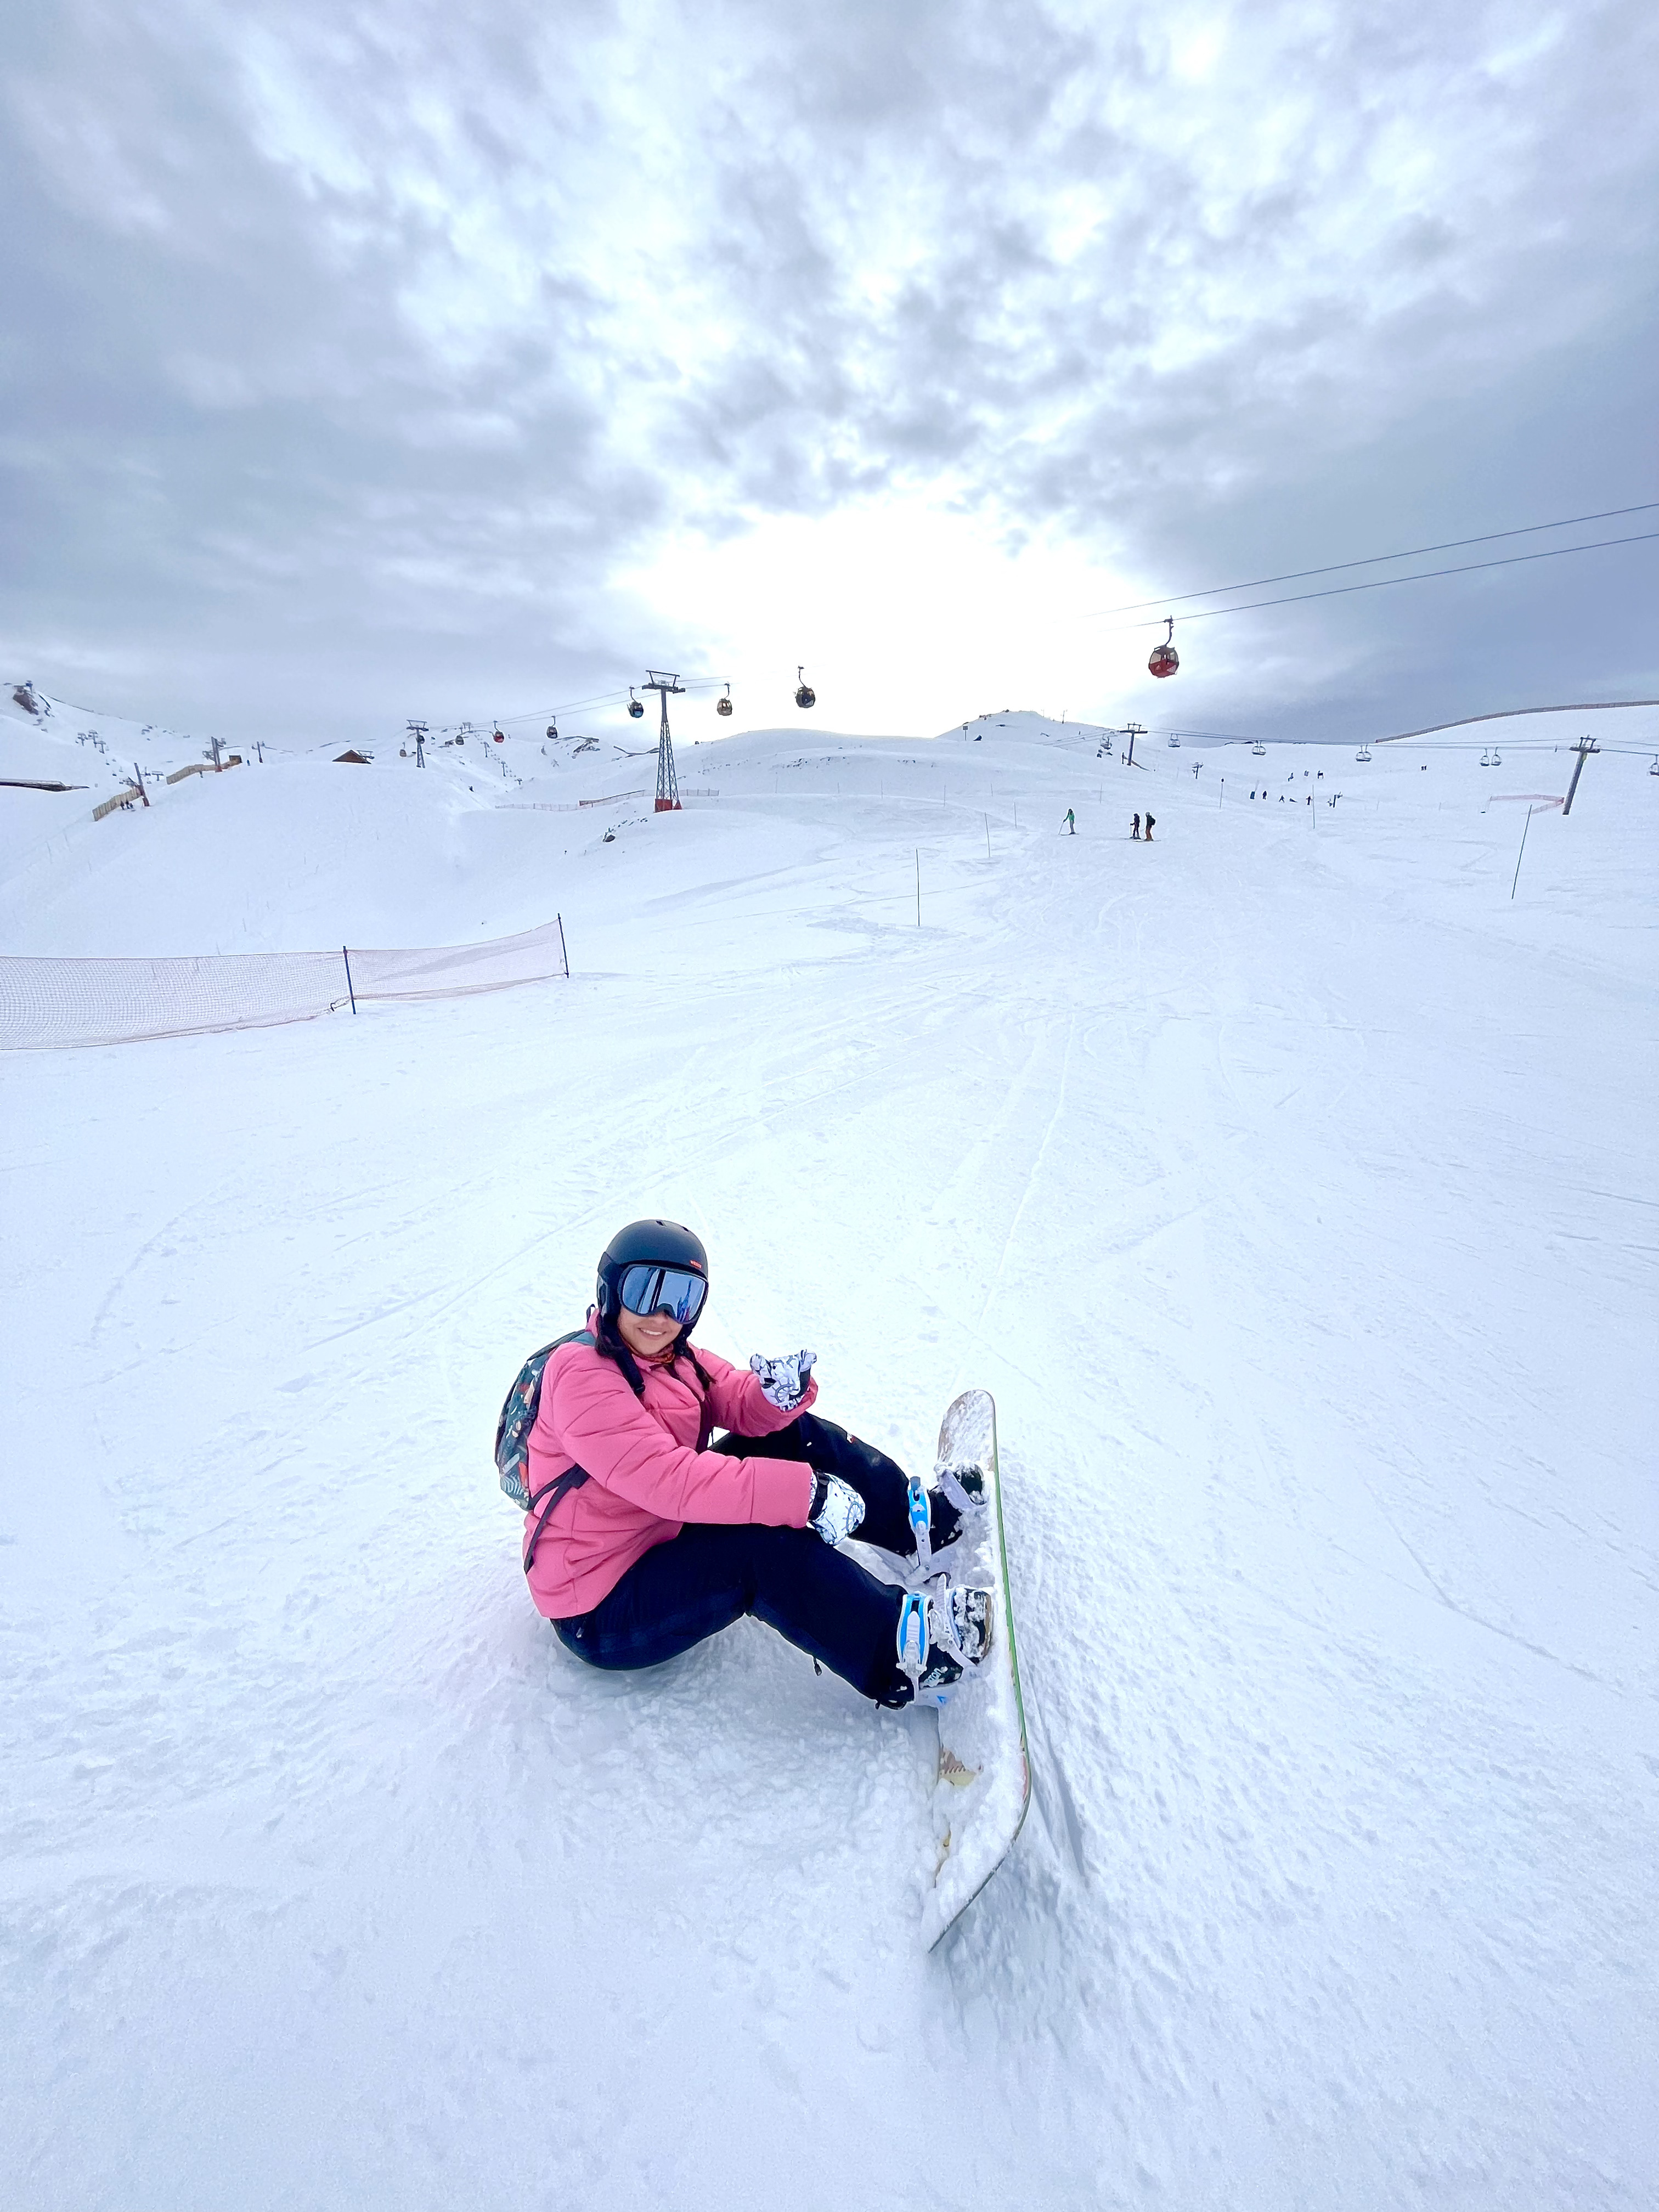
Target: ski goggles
(676,1292)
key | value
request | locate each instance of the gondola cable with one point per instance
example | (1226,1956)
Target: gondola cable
(1381,583)
(1370,560)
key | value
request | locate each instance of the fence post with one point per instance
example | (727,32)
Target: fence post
(564,954)
(350,993)
(1525,826)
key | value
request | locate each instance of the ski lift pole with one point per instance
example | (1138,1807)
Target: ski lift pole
(350,993)
(1584,747)
(918,887)
(668,785)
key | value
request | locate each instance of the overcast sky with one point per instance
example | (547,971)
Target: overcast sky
(364,360)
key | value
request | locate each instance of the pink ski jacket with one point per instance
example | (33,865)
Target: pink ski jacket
(647,1479)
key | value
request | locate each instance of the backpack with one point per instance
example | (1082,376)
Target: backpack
(513,1439)
(513,1442)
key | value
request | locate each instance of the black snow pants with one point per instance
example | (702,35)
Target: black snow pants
(714,1572)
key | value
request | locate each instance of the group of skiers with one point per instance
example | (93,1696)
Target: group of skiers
(1070,825)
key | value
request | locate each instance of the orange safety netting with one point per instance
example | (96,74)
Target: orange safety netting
(46,1002)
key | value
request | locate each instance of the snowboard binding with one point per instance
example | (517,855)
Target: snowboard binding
(945,1632)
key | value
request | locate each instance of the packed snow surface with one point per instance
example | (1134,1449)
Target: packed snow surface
(1291,1185)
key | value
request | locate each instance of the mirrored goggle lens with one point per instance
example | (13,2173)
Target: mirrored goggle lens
(672,1290)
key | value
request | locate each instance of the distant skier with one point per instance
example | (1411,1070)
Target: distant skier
(1151,819)
(1071,821)
(643,1539)
(1135,832)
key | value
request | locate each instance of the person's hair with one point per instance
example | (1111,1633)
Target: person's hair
(608,1343)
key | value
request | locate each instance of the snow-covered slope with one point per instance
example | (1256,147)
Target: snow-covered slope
(1291,1184)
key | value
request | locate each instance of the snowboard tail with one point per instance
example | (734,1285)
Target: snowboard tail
(983,1784)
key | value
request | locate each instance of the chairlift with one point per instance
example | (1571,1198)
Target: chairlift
(553,729)
(1365,753)
(1653,768)
(805,694)
(1165,659)
(724,706)
(1259,750)
(634,707)
(1174,743)
(1497,757)
(500,737)
(1486,758)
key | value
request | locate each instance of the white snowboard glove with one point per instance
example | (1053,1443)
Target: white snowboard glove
(785,1382)
(837,1509)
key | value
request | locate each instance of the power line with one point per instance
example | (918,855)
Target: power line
(1410,553)
(1381,583)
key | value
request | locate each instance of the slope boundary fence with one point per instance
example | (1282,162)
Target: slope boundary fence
(48,1004)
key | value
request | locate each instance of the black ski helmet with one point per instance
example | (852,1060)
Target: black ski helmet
(653,1243)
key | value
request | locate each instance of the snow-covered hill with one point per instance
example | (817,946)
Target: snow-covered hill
(1290,1183)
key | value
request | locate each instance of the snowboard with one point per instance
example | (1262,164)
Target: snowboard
(983,1784)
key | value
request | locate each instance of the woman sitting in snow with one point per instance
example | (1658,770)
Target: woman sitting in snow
(643,1538)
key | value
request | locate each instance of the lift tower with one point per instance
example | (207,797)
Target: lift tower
(668,784)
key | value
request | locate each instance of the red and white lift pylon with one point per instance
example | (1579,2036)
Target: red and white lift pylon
(668,784)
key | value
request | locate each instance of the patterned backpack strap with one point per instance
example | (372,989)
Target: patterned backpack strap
(519,1418)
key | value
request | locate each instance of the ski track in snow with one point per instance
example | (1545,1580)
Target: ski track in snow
(1291,1187)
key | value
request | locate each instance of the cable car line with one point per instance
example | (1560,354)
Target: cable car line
(1412,553)
(1381,583)
(576,706)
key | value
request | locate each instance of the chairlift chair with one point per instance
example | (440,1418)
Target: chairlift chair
(1175,743)
(1486,758)
(1165,659)
(634,708)
(1653,766)
(1497,757)
(805,694)
(724,706)
(553,729)
(1260,751)
(1365,753)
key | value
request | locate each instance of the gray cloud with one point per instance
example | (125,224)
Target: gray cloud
(356,352)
